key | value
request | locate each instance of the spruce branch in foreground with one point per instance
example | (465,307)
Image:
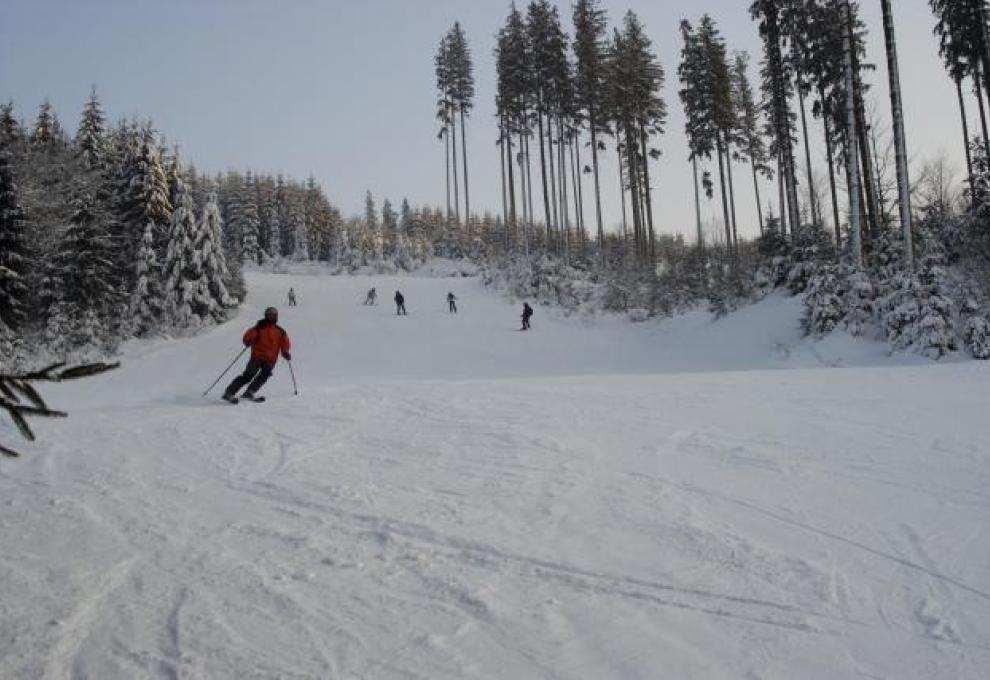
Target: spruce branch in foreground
(20,400)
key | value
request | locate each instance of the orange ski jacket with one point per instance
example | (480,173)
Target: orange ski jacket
(266,340)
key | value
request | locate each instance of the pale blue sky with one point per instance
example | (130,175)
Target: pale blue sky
(344,89)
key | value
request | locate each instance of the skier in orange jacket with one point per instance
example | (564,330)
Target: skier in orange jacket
(266,339)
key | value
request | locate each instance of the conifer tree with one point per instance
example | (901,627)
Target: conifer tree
(80,275)
(14,261)
(210,295)
(638,110)
(900,143)
(249,222)
(461,94)
(46,128)
(146,193)
(10,128)
(591,52)
(778,87)
(90,139)
(181,270)
(752,148)
(146,299)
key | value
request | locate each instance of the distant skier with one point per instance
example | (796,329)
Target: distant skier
(371,297)
(292,297)
(266,339)
(527,312)
(400,303)
(452,303)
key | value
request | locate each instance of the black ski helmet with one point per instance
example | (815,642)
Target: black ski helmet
(271,314)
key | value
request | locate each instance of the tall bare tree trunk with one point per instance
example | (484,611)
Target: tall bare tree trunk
(457,200)
(530,226)
(900,141)
(467,200)
(501,145)
(446,158)
(697,202)
(578,183)
(866,168)
(564,210)
(622,194)
(830,153)
(511,224)
(523,188)
(813,201)
(852,161)
(725,197)
(634,192)
(648,196)
(756,190)
(784,215)
(553,233)
(732,196)
(965,127)
(598,192)
(978,90)
(543,174)
(576,193)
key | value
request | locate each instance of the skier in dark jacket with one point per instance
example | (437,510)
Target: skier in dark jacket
(527,312)
(400,303)
(370,299)
(267,340)
(452,303)
(292,297)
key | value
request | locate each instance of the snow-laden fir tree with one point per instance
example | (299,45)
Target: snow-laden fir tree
(13,252)
(210,298)
(300,239)
(146,196)
(10,128)
(91,136)
(46,128)
(146,299)
(249,221)
(977,337)
(182,270)
(79,278)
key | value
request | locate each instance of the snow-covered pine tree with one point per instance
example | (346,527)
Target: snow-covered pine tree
(46,128)
(209,293)
(81,272)
(249,221)
(13,252)
(91,136)
(591,51)
(10,128)
(977,337)
(147,298)
(146,196)
(389,226)
(300,239)
(182,266)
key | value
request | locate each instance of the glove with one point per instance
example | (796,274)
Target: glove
(287,356)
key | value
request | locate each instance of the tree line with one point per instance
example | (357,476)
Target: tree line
(566,95)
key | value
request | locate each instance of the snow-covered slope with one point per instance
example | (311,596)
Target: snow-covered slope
(450,498)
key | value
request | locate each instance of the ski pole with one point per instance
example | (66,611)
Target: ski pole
(225,371)
(295,388)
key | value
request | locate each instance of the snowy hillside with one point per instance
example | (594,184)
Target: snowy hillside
(448,497)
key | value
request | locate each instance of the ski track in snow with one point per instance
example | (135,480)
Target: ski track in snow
(449,498)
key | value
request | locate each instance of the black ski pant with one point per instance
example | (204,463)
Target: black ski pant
(257,373)
(525,323)
(453,307)
(400,307)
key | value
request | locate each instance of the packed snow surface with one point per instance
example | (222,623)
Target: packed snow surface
(448,497)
